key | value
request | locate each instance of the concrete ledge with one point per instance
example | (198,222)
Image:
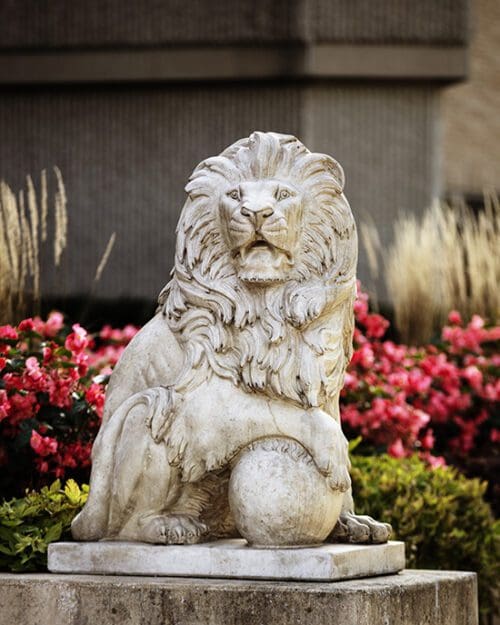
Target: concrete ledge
(228,559)
(409,598)
(195,63)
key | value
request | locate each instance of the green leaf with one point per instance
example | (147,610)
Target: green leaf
(53,533)
(72,492)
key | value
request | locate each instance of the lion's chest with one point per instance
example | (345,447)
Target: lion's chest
(304,366)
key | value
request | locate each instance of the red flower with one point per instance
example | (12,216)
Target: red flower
(4,405)
(428,440)
(26,325)
(396,449)
(455,318)
(375,326)
(77,341)
(95,396)
(474,377)
(8,332)
(23,407)
(54,324)
(43,445)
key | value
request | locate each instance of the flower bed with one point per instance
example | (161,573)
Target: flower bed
(440,401)
(51,399)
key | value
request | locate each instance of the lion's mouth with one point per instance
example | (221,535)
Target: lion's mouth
(261,245)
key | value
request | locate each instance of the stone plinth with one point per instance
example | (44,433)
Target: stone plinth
(408,598)
(228,559)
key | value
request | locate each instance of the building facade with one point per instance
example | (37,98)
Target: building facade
(126,98)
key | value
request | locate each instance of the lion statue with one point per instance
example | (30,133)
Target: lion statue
(250,342)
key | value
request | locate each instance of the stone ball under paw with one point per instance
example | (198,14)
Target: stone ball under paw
(279,498)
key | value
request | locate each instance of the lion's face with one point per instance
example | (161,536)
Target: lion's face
(261,221)
(265,244)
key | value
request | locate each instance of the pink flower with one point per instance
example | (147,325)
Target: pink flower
(77,341)
(455,318)
(95,396)
(350,381)
(53,324)
(395,353)
(26,325)
(476,323)
(396,449)
(474,377)
(42,465)
(43,445)
(33,369)
(8,332)
(22,407)
(47,354)
(375,326)
(435,461)
(129,331)
(364,356)
(60,388)
(428,440)
(4,405)
(34,378)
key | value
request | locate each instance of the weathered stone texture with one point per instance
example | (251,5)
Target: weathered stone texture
(118,23)
(471,124)
(410,598)
(125,153)
(228,559)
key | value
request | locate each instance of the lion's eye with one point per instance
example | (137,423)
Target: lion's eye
(234,194)
(283,194)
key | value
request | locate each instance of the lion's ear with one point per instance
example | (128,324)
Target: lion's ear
(336,171)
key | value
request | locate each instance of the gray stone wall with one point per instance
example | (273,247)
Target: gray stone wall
(409,598)
(126,153)
(126,98)
(102,23)
(470,111)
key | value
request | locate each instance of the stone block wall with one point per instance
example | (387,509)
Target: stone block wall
(127,98)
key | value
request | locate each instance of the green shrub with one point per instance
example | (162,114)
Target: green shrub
(440,514)
(29,524)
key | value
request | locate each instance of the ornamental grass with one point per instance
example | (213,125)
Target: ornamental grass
(446,260)
(23,229)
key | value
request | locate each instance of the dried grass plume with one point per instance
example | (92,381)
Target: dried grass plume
(447,260)
(23,227)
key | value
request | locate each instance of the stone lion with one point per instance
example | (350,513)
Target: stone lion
(250,341)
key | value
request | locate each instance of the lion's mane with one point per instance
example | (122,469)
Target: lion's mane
(247,333)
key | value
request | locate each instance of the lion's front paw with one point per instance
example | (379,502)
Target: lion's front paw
(354,528)
(306,305)
(329,449)
(179,529)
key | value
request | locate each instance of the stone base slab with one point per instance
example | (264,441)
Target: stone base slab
(408,598)
(228,559)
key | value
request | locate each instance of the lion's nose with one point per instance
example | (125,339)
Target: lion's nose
(257,215)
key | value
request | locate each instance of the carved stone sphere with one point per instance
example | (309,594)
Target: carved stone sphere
(279,498)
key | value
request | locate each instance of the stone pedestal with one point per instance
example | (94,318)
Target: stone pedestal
(228,559)
(408,598)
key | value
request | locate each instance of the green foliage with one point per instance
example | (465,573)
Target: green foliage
(440,514)
(29,524)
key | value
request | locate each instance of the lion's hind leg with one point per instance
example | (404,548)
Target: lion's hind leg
(147,491)
(134,484)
